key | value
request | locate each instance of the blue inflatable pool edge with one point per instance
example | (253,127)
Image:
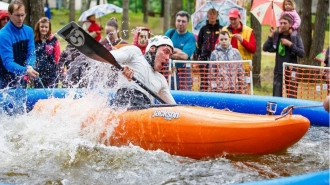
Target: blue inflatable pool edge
(315,178)
(249,104)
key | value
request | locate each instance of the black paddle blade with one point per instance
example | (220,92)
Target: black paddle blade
(86,44)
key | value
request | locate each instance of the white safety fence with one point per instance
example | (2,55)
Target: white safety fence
(210,76)
(305,81)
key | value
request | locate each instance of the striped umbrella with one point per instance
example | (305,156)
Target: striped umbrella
(267,11)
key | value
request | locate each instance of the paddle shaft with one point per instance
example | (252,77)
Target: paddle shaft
(87,45)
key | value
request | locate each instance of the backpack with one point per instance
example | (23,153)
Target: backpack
(172,33)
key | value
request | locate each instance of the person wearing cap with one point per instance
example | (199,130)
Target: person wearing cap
(184,45)
(146,69)
(242,36)
(4,18)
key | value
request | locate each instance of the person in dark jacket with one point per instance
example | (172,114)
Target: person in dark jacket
(207,37)
(71,68)
(286,51)
(47,52)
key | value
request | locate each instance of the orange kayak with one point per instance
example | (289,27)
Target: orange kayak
(195,132)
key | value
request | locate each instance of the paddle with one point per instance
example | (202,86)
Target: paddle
(87,45)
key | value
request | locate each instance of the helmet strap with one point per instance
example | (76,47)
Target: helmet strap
(150,57)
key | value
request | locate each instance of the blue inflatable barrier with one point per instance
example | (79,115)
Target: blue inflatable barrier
(312,110)
(254,104)
(316,178)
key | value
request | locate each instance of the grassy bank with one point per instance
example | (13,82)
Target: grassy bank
(61,17)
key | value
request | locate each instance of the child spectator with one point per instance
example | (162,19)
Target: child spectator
(227,77)
(289,7)
(47,53)
(141,37)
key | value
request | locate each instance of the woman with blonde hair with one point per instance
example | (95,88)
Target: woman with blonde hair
(47,48)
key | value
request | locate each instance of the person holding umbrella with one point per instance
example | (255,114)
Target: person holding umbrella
(92,27)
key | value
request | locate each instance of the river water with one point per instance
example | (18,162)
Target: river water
(50,147)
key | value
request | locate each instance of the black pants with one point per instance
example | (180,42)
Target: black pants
(130,97)
(291,86)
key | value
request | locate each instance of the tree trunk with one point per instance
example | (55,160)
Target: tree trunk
(319,33)
(305,28)
(145,11)
(72,10)
(65,3)
(34,10)
(125,20)
(188,5)
(83,6)
(27,11)
(256,60)
(175,7)
(162,7)
(167,7)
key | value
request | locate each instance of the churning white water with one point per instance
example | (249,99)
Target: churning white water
(51,147)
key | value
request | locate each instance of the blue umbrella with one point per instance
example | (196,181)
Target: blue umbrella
(99,11)
(199,17)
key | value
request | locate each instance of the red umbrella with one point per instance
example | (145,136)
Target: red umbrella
(267,11)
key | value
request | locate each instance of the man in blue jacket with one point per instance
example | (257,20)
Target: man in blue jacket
(16,48)
(17,58)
